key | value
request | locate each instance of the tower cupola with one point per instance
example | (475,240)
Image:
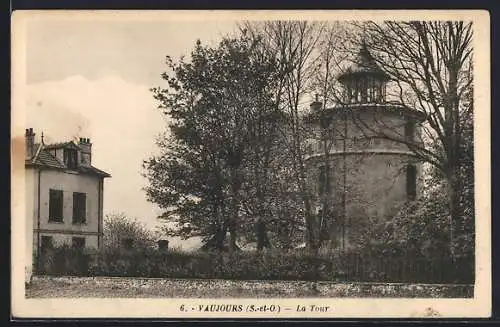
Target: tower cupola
(364,81)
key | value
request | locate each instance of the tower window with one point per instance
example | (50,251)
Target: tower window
(411,182)
(309,149)
(409,131)
(323,181)
(364,90)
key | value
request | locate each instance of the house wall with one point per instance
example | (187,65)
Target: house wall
(62,232)
(31,184)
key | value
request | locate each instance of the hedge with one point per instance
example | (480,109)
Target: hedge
(269,265)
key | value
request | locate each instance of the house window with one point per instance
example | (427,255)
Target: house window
(323,182)
(128,243)
(79,208)
(78,242)
(46,243)
(409,131)
(70,158)
(411,182)
(56,206)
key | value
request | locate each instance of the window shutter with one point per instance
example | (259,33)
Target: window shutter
(56,205)
(79,208)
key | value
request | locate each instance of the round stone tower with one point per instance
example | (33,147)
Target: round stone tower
(360,155)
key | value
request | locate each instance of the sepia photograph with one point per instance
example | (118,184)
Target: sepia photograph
(251,164)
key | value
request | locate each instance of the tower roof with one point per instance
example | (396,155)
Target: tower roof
(363,64)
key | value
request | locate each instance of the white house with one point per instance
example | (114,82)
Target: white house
(64,196)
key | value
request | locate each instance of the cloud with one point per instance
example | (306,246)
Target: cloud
(120,118)
(133,49)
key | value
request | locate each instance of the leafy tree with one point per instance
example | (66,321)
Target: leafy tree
(120,230)
(216,102)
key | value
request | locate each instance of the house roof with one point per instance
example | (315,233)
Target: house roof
(65,145)
(93,170)
(43,158)
(363,64)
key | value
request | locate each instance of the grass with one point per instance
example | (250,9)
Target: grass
(121,287)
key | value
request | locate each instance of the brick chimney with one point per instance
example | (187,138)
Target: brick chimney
(86,151)
(29,139)
(316,105)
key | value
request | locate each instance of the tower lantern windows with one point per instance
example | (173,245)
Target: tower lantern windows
(365,81)
(365,90)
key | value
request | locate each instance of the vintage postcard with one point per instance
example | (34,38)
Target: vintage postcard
(251,164)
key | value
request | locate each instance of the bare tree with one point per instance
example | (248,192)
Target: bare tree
(293,43)
(324,80)
(431,64)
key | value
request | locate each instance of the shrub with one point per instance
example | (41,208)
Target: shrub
(122,231)
(64,260)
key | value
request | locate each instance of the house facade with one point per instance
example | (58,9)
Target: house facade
(64,196)
(361,154)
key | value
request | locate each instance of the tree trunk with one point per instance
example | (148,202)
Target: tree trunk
(232,238)
(219,239)
(311,227)
(311,237)
(261,230)
(454,189)
(262,239)
(232,223)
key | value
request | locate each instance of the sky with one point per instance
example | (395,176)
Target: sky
(91,79)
